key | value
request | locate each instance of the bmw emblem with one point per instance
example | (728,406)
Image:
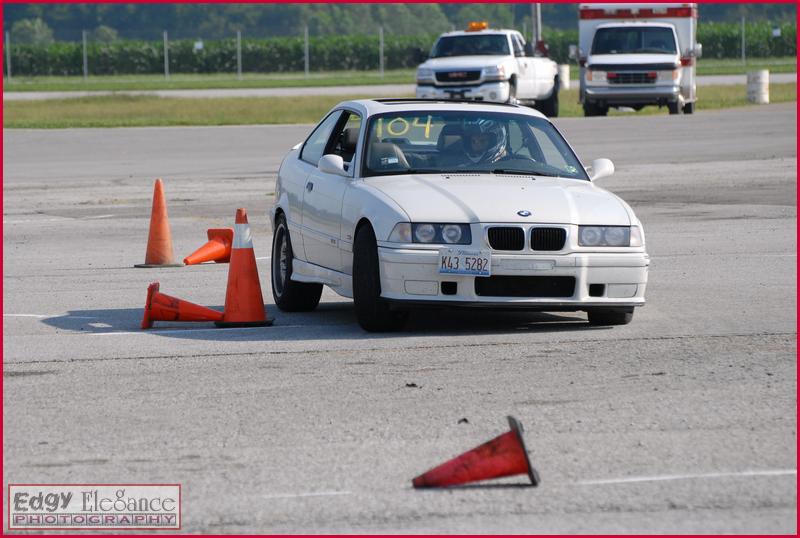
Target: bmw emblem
(524,213)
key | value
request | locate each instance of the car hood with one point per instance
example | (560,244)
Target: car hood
(463,62)
(631,59)
(472,198)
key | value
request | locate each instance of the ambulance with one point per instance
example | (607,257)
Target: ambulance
(634,55)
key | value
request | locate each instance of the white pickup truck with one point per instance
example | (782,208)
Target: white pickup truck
(482,64)
(636,55)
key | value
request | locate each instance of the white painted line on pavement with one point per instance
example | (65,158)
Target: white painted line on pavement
(660,478)
(173,331)
(99,217)
(299,495)
(264,258)
(47,316)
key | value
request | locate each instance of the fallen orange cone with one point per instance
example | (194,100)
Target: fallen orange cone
(244,303)
(161,307)
(504,455)
(159,242)
(217,249)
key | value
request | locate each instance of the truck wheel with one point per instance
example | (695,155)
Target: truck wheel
(675,108)
(512,92)
(290,296)
(688,108)
(549,106)
(591,109)
(608,316)
(372,312)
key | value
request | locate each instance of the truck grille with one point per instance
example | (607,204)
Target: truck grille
(631,78)
(506,238)
(525,286)
(548,238)
(457,76)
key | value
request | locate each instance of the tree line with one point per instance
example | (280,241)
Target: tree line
(49,22)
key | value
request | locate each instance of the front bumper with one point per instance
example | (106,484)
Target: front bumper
(633,94)
(488,91)
(411,276)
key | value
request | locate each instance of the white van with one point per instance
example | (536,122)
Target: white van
(635,55)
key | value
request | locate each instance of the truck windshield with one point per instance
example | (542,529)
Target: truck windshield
(471,45)
(634,40)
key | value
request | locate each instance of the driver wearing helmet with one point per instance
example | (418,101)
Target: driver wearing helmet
(484,141)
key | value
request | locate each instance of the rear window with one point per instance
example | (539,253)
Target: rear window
(471,45)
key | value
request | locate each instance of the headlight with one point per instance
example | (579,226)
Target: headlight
(432,233)
(606,236)
(595,76)
(497,72)
(668,76)
(424,75)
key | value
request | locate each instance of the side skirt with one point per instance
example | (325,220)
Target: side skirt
(308,272)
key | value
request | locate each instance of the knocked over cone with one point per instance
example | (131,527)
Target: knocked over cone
(217,249)
(160,307)
(504,455)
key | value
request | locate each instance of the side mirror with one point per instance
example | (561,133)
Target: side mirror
(420,55)
(698,50)
(573,52)
(333,164)
(601,168)
(529,49)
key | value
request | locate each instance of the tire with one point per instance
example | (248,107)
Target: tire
(549,106)
(609,316)
(290,296)
(688,108)
(674,108)
(372,312)
(512,93)
(590,109)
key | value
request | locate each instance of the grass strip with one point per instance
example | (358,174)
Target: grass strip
(141,111)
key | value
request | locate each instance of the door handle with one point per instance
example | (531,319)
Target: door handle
(310,186)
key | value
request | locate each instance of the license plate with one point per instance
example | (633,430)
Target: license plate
(456,261)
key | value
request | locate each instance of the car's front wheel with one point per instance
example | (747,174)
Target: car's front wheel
(610,316)
(290,296)
(372,312)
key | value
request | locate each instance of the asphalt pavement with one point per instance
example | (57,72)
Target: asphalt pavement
(683,421)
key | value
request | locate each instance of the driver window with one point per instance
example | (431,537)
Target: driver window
(315,144)
(345,138)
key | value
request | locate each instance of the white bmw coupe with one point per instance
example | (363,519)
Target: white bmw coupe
(410,203)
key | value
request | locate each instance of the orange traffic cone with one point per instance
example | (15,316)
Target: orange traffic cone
(159,243)
(504,455)
(244,303)
(160,307)
(218,248)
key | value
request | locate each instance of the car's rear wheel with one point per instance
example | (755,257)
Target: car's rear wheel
(610,316)
(372,312)
(688,108)
(290,296)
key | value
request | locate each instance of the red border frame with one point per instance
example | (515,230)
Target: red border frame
(178,528)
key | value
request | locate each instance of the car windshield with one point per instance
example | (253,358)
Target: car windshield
(471,45)
(467,141)
(634,40)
